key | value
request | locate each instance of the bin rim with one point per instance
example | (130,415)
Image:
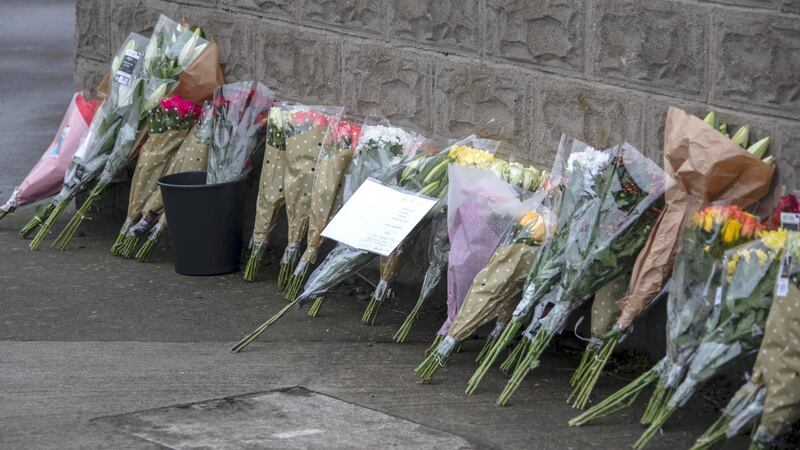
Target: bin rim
(196,186)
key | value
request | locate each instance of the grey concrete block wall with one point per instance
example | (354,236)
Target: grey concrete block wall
(522,71)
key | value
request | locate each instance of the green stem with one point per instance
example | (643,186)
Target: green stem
(656,425)
(586,385)
(75,222)
(435,344)
(588,355)
(371,311)
(295,283)
(129,245)
(510,363)
(36,220)
(431,364)
(402,333)
(617,401)
(713,435)
(117,247)
(508,334)
(261,328)
(143,255)
(44,230)
(316,306)
(3,213)
(528,363)
(655,404)
(487,346)
(254,262)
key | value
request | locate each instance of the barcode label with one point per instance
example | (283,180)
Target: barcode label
(782,287)
(718,296)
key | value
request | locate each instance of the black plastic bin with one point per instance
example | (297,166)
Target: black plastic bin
(204,223)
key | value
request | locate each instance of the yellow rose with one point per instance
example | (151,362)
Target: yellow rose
(708,223)
(731,231)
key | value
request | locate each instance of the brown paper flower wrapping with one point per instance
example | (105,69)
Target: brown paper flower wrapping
(327,181)
(153,160)
(604,307)
(495,287)
(302,151)
(707,165)
(778,365)
(192,155)
(198,82)
(270,193)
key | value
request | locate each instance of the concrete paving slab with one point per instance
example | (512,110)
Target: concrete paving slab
(292,418)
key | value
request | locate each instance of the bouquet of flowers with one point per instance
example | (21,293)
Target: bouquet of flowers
(706,165)
(234,127)
(171,50)
(89,158)
(168,126)
(567,189)
(736,325)
(44,180)
(438,251)
(192,156)
(379,152)
(772,390)
(431,179)
(498,283)
(707,235)
(603,240)
(309,129)
(270,187)
(334,158)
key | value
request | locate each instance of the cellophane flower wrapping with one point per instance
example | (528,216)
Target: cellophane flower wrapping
(310,128)
(428,175)
(381,150)
(736,326)
(608,227)
(47,176)
(233,127)
(566,194)
(696,278)
(500,281)
(481,209)
(92,154)
(171,49)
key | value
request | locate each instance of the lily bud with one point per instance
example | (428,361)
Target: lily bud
(154,99)
(150,52)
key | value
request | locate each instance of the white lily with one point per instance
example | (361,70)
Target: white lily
(150,52)
(187,53)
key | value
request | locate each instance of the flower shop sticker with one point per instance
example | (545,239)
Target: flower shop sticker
(129,60)
(790,221)
(390,216)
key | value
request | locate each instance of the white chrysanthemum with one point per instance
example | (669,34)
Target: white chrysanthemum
(592,161)
(383,134)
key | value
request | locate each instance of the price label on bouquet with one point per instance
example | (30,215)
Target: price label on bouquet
(377,218)
(126,67)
